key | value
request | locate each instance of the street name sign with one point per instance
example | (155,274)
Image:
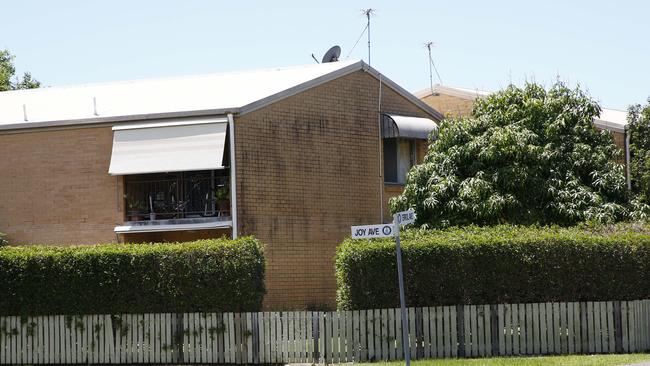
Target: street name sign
(373,231)
(385,231)
(405,217)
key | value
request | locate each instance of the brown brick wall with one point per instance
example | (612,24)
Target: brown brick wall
(450,106)
(55,187)
(390,191)
(174,236)
(619,141)
(308,169)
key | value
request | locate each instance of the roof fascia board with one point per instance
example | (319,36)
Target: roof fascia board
(116,119)
(469,95)
(609,126)
(451,91)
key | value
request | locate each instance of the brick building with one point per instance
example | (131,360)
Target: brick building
(458,102)
(294,156)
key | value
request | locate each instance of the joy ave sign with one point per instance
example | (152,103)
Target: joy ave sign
(372,231)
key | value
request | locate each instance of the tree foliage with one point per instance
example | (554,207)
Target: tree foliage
(8,80)
(639,129)
(527,155)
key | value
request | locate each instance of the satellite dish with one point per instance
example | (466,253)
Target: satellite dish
(332,55)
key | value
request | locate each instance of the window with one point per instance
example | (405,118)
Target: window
(399,157)
(180,195)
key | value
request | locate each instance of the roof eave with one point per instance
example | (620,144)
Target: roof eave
(85,122)
(606,125)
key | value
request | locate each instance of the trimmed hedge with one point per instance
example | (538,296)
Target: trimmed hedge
(502,264)
(202,276)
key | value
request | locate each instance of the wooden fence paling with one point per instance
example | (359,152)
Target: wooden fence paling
(327,337)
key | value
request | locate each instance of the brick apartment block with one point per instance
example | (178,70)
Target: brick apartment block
(307,152)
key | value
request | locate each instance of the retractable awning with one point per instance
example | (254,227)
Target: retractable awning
(168,146)
(393,126)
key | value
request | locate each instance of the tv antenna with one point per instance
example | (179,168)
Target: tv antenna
(368,12)
(432,65)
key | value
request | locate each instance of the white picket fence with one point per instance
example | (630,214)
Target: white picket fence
(327,337)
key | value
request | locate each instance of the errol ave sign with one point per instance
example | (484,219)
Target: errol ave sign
(405,217)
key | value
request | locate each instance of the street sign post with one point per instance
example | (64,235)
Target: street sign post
(385,231)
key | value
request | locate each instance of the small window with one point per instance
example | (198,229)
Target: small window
(399,157)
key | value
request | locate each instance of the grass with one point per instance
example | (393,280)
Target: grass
(582,360)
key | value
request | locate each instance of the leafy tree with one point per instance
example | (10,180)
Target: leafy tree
(7,72)
(527,155)
(639,129)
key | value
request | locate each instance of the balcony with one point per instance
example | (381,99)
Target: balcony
(176,201)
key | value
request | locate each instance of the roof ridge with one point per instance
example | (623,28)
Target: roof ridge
(169,78)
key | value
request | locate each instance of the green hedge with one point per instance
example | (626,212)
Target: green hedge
(502,264)
(208,275)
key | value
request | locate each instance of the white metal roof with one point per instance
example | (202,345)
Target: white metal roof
(610,119)
(234,92)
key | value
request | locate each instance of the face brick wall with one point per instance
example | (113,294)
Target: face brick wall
(450,105)
(55,187)
(174,236)
(308,169)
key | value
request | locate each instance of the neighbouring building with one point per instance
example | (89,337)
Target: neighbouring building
(293,156)
(459,102)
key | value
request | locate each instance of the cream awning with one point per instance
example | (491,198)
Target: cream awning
(393,126)
(168,146)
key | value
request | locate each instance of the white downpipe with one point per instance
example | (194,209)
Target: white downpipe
(233,176)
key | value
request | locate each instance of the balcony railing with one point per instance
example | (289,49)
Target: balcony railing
(177,197)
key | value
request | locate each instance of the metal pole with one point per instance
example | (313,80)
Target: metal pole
(402,301)
(381,161)
(368,15)
(430,67)
(627,158)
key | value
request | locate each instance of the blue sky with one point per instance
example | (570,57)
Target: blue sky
(603,45)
